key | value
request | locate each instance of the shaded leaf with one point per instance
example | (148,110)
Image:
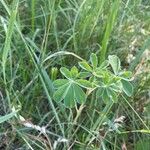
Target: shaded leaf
(127,87)
(105,96)
(112,95)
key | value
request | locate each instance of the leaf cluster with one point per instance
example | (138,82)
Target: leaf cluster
(108,80)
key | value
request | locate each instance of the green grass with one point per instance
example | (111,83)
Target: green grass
(39,37)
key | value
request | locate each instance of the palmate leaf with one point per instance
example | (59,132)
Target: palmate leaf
(107,94)
(68,91)
(61,93)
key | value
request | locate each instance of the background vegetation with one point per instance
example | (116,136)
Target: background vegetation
(37,38)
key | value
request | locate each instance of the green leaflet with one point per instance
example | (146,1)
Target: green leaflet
(69,99)
(84,83)
(112,95)
(60,82)
(115,63)
(74,72)
(99,92)
(127,87)
(84,65)
(107,94)
(61,93)
(94,60)
(125,75)
(65,72)
(80,96)
(84,74)
(70,92)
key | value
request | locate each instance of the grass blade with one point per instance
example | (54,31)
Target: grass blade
(7,117)
(109,28)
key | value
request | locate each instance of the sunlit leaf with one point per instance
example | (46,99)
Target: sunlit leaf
(84,65)
(115,63)
(84,74)
(65,72)
(84,83)
(94,60)
(74,72)
(60,82)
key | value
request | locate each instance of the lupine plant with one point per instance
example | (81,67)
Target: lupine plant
(107,79)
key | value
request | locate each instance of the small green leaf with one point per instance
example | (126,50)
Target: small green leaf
(94,60)
(84,74)
(69,99)
(104,65)
(60,82)
(65,72)
(80,96)
(54,72)
(112,94)
(115,63)
(99,92)
(127,87)
(84,83)
(116,86)
(60,93)
(74,72)
(84,65)
(126,75)
(105,96)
